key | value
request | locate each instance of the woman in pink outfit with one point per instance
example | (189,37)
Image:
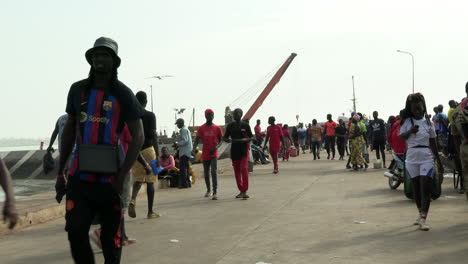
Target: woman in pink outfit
(287,143)
(166,161)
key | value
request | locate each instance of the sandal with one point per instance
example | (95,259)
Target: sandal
(129,241)
(153,216)
(131,209)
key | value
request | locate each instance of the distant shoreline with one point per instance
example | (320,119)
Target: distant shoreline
(20,148)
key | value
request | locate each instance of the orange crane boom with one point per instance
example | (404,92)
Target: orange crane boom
(276,78)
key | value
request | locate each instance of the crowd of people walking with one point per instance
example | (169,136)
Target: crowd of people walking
(106,120)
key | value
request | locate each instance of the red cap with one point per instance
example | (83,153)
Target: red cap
(209,111)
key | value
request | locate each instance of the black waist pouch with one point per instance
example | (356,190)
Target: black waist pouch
(98,159)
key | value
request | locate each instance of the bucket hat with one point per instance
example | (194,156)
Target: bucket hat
(104,42)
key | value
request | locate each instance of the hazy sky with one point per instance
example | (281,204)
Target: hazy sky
(219,49)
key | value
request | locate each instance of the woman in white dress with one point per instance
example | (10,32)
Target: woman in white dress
(418,132)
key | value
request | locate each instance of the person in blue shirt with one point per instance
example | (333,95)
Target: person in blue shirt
(185,146)
(302,135)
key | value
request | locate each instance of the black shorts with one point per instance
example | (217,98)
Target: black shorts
(378,145)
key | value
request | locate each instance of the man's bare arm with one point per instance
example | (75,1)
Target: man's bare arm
(136,130)
(266,142)
(67,142)
(220,142)
(9,208)
(53,137)
(5,182)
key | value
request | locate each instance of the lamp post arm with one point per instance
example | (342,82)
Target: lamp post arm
(412,62)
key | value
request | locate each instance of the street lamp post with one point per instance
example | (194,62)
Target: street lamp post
(412,62)
(354,96)
(159,77)
(151,87)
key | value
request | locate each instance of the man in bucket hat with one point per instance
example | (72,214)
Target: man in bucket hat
(98,107)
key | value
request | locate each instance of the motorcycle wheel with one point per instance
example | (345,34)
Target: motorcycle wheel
(394,184)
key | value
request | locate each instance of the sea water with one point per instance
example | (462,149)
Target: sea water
(24,188)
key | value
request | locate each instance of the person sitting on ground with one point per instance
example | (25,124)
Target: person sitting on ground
(198,157)
(166,161)
(258,154)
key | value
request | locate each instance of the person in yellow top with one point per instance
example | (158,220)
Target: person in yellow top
(149,152)
(198,156)
(452,105)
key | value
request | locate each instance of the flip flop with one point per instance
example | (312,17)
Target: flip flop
(129,242)
(131,209)
(153,216)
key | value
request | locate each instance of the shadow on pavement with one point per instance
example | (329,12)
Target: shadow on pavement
(47,257)
(374,192)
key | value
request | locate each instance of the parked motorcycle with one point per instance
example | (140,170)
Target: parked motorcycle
(396,172)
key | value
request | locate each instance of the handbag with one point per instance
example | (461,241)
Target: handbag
(98,159)
(48,162)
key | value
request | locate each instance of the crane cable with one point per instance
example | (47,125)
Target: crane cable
(254,89)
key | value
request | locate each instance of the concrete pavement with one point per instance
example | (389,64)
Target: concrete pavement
(305,214)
